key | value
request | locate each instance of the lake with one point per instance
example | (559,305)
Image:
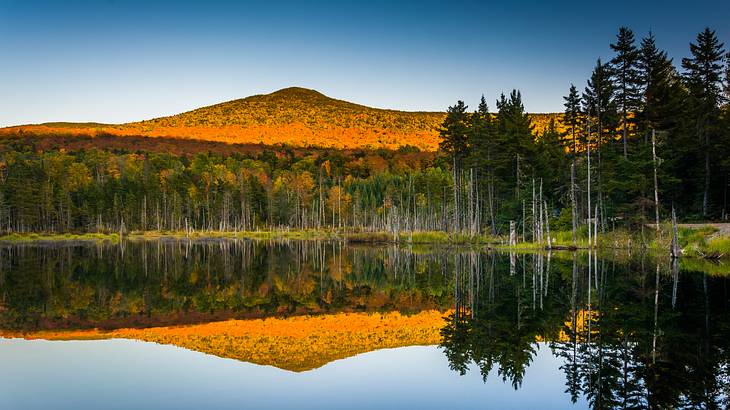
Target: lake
(323,324)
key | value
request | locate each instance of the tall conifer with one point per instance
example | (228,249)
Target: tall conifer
(572,117)
(703,73)
(626,80)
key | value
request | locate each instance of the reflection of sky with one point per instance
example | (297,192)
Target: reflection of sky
(123,374)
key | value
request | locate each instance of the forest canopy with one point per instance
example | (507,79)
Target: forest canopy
(642,128)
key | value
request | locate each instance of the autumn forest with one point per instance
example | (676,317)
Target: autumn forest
(364,205)
(644,136)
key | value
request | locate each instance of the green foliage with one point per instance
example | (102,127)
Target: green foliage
(455,133)
(492,170)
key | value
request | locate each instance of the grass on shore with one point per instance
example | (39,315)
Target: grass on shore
(153,235)
(695,242)
(50,237)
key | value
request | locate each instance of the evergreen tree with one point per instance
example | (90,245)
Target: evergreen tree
(572,117)
(517,150)
(703,74)
(658,77)
(664,111)
(727,78)
(551,159)
(455,142)
(600,110)
(726,143)
(598,101)
(483,144)
(481,136)
(454,132)
(626,80)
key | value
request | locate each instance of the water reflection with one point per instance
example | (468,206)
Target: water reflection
(172,282)
(626,331)
(630,334)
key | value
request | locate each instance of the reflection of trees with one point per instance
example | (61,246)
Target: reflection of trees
(166,282)
(629,335)
(626,335)
(636,351)
(503,318)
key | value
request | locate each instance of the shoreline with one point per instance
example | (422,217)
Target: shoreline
(701,241)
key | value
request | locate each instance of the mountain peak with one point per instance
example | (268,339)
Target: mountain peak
(297,92)
(295,116)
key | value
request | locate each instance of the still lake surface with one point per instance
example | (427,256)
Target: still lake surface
(512,330)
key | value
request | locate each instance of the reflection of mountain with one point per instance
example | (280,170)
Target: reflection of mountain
(149,284)
(629,333)
(297,343)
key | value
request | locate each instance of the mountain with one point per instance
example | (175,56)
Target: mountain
(292,116)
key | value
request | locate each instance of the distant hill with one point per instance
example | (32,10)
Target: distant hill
(293,116)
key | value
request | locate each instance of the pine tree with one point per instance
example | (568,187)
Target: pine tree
(515,157)
(455,132)
(454,141)
(727,78)
(551,159)
(657,76)
(572,117)
(626,79)
(483,144)
(663,109)
(703,74)
(600,110)
(599,102)
(481,138)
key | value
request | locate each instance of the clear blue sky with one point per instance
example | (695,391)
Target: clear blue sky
(118,61)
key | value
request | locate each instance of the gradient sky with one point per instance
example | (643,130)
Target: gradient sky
(118,61)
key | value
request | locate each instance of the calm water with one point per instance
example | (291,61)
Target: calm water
(521,331)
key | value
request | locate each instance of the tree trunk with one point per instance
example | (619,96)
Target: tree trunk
(675,250)
(588,145)
(547,230)
(534,214)
(706,195)
(625,133)
(573,206)
(541,223)
(456,196)
(512,233)
(656,183)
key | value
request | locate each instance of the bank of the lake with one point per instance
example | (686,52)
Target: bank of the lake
(705,241)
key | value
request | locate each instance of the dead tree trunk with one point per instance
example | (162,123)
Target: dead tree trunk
(534,213)
(588,146)
(512,233)
(547,228)
(573,206)
(656,183)
(675,250)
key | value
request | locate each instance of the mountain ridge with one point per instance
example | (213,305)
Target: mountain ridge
(293,116)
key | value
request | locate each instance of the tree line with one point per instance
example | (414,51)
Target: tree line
(643,139)
(101,191)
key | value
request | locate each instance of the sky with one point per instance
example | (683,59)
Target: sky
(118,61)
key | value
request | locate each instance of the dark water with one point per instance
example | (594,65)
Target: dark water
(522,331)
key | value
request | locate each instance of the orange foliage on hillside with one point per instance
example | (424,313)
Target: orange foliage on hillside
(292,116)
(297,343)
